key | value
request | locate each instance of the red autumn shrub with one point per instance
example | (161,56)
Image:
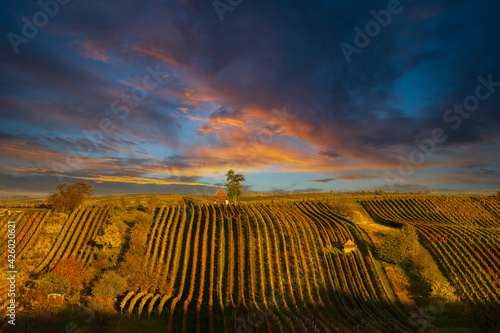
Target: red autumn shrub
(76,271)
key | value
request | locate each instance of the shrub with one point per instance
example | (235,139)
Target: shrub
(110,238)
(142,218)
(101,264)
(110,257)
(221,195)
(444,291)
(151,205)
(399,246)
(103,304)
(189,200)
(109,285)
(138,238)
(35,293)
(56,282)
(75,271)
(137,276)
(343,209)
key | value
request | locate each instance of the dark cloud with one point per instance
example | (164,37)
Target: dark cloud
(7,136)
(226,79)
(324,180)
(329,154)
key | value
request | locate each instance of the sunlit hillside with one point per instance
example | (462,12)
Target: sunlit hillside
(275,265)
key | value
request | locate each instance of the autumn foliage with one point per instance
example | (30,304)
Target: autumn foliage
(69,197)
(221,195)
(111,238)
(76,271)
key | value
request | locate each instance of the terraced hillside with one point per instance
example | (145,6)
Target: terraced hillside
(271,267)
(461,232)
(466,211)
(268,266)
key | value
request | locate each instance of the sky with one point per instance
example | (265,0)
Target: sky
(166,96)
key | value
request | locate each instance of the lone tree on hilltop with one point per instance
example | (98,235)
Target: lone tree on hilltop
(221,195)
(234,188)
(69,197)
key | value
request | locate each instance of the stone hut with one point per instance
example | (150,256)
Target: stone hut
(349,246)
(56,298)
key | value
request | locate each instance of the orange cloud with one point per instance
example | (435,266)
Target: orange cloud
(136,180)
(91,49)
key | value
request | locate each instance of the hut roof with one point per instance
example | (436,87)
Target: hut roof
(349,243)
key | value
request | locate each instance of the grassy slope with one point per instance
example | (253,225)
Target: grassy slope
(417,291)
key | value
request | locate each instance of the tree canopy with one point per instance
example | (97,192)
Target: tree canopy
(110,284)
(234,188)
(221,195)
(110,238)
(69,197)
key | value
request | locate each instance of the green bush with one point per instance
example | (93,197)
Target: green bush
(444,291)
(190,200)
(109,285)
(399,246)
(56,282)
(142,218)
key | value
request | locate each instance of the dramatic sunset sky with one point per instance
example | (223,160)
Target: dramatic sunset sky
(166,96)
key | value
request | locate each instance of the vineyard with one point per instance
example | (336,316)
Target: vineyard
(28,224)
(467,211)
(462,234)
(269,266)
(261,266)
(80,227)
(72,241)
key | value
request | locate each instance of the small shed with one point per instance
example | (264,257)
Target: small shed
(56,298)
(349,246)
